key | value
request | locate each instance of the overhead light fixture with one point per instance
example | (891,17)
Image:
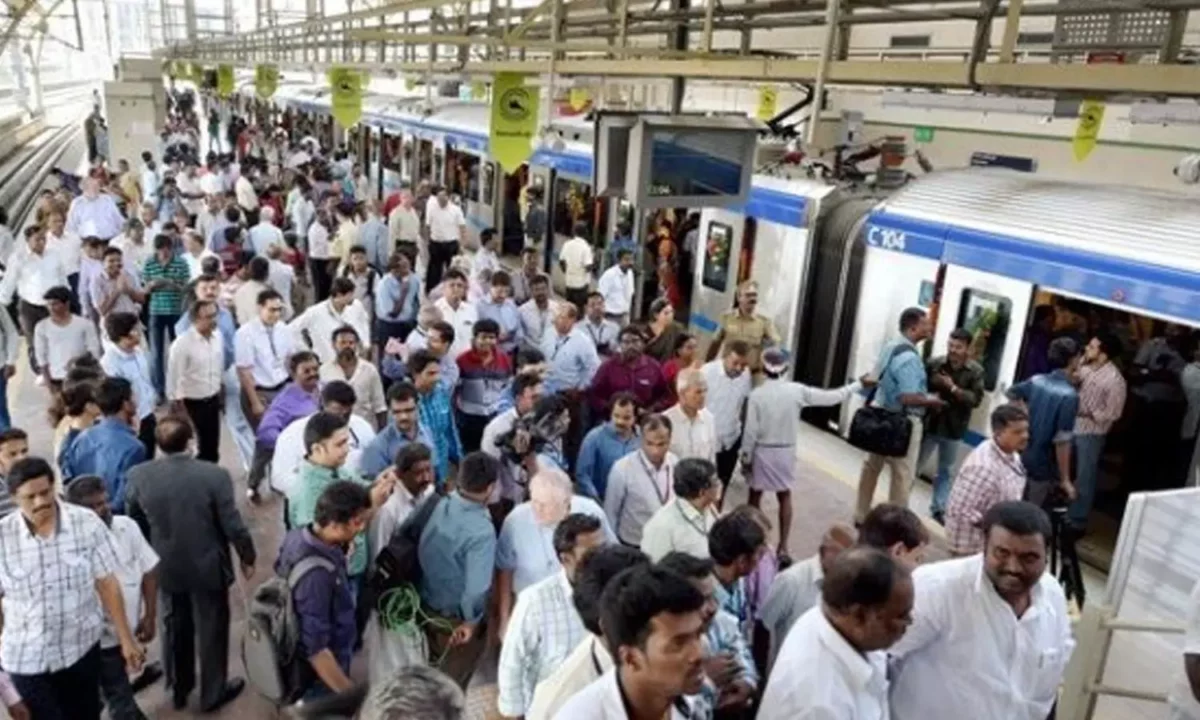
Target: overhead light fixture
(1168,113)
(965,102)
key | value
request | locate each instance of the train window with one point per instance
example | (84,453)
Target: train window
(986,316)
(718,247)
(746,258)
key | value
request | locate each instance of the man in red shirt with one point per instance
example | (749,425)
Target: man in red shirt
(632,371)
(484,373)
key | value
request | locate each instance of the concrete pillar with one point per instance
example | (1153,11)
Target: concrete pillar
(16,59)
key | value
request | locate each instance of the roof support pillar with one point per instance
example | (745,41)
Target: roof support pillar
(832,15)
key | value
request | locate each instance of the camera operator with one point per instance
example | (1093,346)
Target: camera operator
(526,437)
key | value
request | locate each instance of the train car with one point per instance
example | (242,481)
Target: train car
(990,251)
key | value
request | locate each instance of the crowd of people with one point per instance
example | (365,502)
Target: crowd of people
(462,459)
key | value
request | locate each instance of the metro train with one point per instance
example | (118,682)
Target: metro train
(980,248)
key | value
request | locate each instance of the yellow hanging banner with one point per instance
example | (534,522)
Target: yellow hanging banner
(225,80)
(579,98)
(767,97)
(514,120)
(196,73)
(479,90)
(266,80)
(1091,117)
(347,95)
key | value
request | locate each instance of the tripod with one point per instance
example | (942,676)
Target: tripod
(1062,551)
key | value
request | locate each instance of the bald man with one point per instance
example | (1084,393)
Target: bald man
(798,589)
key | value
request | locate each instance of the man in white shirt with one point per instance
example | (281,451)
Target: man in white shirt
(136,572)
(797,589)
(599,329)
(693,428)
(446,229)
(337,397)
(69,247)
(261,351)
(194,369)
(590,659)
(189,189)
(576,261)
(654,624)
(150,179)
(348,366)
(61,337)
(247,197)
(991,635)
(319,321)
(729,385)
(833,665)
(617,286)
(459,312)
(31,272)
(682,525)
(265,233)
(641,482)
(195,252)
(404,227)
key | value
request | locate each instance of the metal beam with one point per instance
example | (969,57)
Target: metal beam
(530,17)
(1012,28)
(371,35)
(832,8)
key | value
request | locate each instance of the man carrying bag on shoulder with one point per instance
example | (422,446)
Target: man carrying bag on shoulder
(889,426)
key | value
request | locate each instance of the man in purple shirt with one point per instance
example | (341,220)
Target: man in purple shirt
(300,398)
(94,214)
(631,371)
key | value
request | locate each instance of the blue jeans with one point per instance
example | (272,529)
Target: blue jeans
(947,450)
(5,418)
(162,334)
(1088,449)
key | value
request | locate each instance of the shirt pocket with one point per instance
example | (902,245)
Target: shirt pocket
(1047,674)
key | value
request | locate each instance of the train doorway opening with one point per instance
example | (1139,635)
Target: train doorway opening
(1153,444)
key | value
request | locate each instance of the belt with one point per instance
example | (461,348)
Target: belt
(276,388)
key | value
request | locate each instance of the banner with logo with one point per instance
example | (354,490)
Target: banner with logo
(767,100)
(225,80)
(347,95)
(196,73)
(266,80)
(479,91)
(1091,117)
(514,120)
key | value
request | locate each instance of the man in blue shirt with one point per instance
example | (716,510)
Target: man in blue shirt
(110,447)
(435,410)
(405,428)
(126,359)
(397,299)
(605,444)
(902,388)
(457,554)
(1052,403)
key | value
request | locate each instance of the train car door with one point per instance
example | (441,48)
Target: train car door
(994,309)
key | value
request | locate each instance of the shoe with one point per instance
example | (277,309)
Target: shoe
(940,518)
(179,701)
(233,688)
(150,675)
(253,496)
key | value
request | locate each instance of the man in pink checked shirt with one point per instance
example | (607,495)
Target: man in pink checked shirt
(992,473)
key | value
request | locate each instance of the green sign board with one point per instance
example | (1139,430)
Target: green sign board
(922,134)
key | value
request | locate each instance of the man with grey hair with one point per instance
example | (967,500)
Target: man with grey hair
(265,234)
(415,693)
(694,429)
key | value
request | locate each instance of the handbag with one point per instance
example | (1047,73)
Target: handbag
(879,430)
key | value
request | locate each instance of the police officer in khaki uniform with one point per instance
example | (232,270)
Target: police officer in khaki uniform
(743,324)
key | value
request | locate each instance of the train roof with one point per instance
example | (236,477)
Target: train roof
(1126,245)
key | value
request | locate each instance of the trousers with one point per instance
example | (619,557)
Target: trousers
(904,471)
(206,417)
(196,623)
(72,693)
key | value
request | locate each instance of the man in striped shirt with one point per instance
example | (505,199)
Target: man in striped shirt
(992,473)
(1101,402)
(165,277)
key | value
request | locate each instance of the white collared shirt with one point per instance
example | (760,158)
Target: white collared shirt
(677,527)
(195,366)
(693,437)
(321,320)
(264,351)
(586,663)
(391,515)
(264,235)
(602,701)
(368,387)
(636,490)
(820,675)
(32,275)
(576,255)
(542,632)
(69,248)
(135,558)
(616,285)
(196,263)
(445,223)
(247,199)
(289,451)
(967,654)
(134,255)
(725,399)
(462,320)
(794,592)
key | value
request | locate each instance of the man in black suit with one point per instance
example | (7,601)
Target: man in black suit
(187,507)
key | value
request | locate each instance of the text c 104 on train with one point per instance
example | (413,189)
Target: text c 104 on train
(886,238)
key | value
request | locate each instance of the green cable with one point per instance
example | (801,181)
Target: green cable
(400,611)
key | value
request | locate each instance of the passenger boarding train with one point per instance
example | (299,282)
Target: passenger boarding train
(980,248)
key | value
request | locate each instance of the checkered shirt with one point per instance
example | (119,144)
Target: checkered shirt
(542,632)
(1102,396)
(52,613)
(986,477)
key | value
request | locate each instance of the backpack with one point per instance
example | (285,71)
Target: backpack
(397,563)
(269,645)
